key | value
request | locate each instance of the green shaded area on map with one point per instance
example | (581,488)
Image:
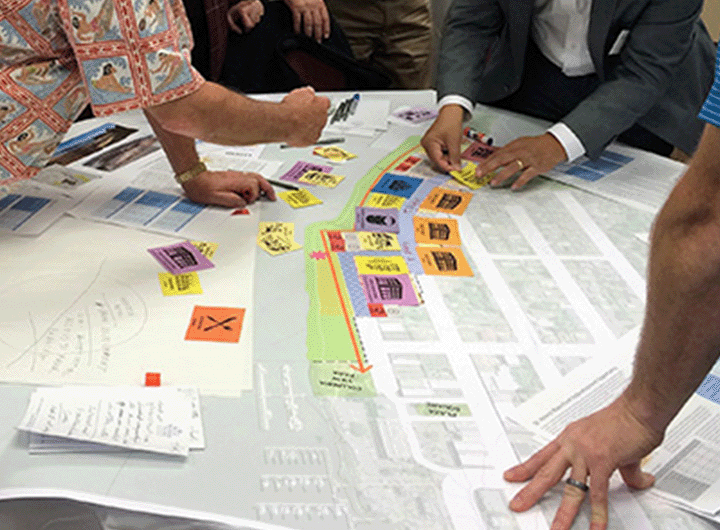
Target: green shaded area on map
(340,380)
(332,336)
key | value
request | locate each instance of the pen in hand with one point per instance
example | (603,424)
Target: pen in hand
(283,185)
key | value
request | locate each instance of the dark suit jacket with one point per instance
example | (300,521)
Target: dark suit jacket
(659,79)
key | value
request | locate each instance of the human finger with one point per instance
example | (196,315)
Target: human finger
(438,154)
(528,468)
(309,23)
(248,19)
(573,497)
(525,177)
(499,158)
(544,480)
(325,17)
(635,477)
(229,199)
(231,21)
(266,189)
(297,19)
(247,187)
(504,172)
(599,482)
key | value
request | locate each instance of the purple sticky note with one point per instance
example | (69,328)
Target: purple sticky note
(372,219)
(393,289)
(415,115)
(181,257)
(300,168)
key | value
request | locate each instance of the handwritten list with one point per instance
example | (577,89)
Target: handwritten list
(164,419)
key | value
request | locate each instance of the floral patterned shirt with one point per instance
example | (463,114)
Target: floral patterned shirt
(58,55)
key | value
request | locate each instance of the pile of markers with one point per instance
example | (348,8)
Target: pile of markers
(346,108)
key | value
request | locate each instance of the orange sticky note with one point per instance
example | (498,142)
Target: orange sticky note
(444,261)
(216,324)
(152,379)
(444,200)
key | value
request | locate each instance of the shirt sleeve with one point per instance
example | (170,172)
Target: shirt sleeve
(710,111)
(131,53)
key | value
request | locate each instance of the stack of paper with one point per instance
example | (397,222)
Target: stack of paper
(162,420)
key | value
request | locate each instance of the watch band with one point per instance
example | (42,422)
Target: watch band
(191,173)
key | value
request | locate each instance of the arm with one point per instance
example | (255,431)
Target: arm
(471,29)
(657,45)
(233,189)
(680,342)
(218,115)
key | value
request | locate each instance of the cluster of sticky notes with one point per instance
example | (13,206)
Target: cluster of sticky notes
(182,261)
(277,237)
(300,168)
(162,419)
(215,324)
(438,247)
(299,198)
(321,178)
(334,153)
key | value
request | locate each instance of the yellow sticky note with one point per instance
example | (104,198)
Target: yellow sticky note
(206,248)
(275,244)
(185,283)
(378,241)
(381,265)
(327,180)
(334,153)
(299,198)
(467,176)
(383,200)
(276,227)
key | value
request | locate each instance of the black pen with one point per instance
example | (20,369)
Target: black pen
(283,185)
(321,141)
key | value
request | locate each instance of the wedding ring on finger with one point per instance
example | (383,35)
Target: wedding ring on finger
(520,164)
(577,484)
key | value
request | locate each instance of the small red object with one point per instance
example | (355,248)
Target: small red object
(152,379)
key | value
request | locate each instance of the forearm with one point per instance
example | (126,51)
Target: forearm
(681,334)
(218,115)
(180,150)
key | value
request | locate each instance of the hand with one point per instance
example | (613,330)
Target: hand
(308,114)
(310,17)
(612,438)
(442,140)
(233,189)
(244,16)
(530,154)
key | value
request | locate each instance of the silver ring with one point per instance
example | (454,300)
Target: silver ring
(576,483)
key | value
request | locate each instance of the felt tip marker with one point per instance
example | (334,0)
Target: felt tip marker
(477,136)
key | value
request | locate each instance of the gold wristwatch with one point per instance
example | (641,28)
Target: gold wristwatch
(191,173)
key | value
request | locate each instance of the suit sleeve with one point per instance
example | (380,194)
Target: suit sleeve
(471,29)
(657,45)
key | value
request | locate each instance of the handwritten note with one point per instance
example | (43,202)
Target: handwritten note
(163,419)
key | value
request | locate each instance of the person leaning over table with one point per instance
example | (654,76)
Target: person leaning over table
(56,55)
(679,343)
(637,70)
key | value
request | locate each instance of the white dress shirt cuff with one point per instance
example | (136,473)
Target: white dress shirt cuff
(456,99)
(571,143)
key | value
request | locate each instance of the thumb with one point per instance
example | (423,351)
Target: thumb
(635,477)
